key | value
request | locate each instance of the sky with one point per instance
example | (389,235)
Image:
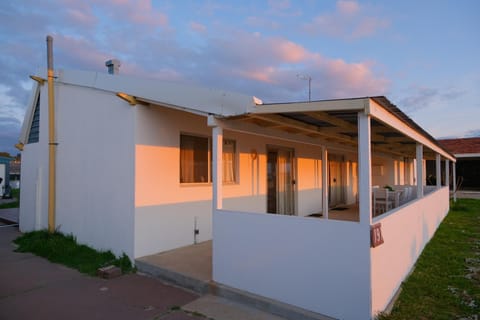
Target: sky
(422,55)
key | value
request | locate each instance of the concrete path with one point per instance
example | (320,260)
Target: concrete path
(9,215)
(468,194)
(220,308)
(34,288)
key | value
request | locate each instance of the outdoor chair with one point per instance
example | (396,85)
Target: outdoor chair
(382,201)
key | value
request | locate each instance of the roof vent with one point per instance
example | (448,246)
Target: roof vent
(113,66)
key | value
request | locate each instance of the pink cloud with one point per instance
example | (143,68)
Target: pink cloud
(347,7)
(198,27)
(82,17)
(369,26)
(353,78)
(349,21)
(276,61)
(261,75)
(288,51)
(142,12)
(78,51)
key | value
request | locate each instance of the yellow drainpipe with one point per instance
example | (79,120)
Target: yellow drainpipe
(51,139)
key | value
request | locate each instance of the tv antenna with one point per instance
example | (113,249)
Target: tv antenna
(307,77)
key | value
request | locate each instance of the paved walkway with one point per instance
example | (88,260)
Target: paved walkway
(468,194)
(34,288)
(9,215)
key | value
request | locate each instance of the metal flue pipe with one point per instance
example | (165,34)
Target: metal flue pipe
(51,139)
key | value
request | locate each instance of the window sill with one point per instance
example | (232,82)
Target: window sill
(205,184)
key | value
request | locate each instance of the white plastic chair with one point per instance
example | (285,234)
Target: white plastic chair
(383,201)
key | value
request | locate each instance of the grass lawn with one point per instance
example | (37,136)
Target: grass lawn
(446,281)
(14,204)
(65,250)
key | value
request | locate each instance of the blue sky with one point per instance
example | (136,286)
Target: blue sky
(423,55)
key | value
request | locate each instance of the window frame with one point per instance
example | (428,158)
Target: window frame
(210,161)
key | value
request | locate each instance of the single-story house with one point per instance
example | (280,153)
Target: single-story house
(467,152)
(287,192)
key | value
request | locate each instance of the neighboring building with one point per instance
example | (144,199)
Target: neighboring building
(14,174)
(467,152)
(4,173)
(145,166)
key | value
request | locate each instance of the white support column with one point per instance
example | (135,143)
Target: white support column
(217,167)
(364,169)
(325,182)
(420,174)
(454,177)
(447,173)
(438,167)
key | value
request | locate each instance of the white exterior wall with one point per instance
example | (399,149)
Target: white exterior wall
(95,167)
(166,210)
(94,176)
(33,213)
(315,264)
(405,231)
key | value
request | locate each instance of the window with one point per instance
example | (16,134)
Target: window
(33,135)
(194,159)
(196,162)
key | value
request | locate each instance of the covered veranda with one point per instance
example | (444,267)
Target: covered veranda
(325,263)
(248,246)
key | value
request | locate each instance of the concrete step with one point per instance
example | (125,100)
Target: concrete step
(256,303)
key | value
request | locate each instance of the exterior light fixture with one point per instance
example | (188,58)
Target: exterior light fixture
(130,99)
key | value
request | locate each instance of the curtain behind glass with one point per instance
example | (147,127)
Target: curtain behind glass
(194,159)
(228,161)
(284,182)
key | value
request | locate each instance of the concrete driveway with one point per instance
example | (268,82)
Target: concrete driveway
(34,288)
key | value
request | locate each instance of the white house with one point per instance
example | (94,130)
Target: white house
(145,166)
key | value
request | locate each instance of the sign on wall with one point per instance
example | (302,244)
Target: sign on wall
(376,237)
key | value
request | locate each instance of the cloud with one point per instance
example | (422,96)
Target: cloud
(198,27)
(347,7)
(86,34)
(142,12)
(272,63)
(11,118)
(421,97)
(262,22)
(350,21)
(279,5)
(472,133)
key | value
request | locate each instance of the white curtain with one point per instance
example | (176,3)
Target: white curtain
(186,160)
(284,182)
(228,161)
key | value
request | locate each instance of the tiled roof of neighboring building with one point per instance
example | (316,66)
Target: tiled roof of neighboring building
(462,146)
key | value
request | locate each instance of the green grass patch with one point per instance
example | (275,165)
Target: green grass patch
(445,283)
(64,249)
(13,204)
